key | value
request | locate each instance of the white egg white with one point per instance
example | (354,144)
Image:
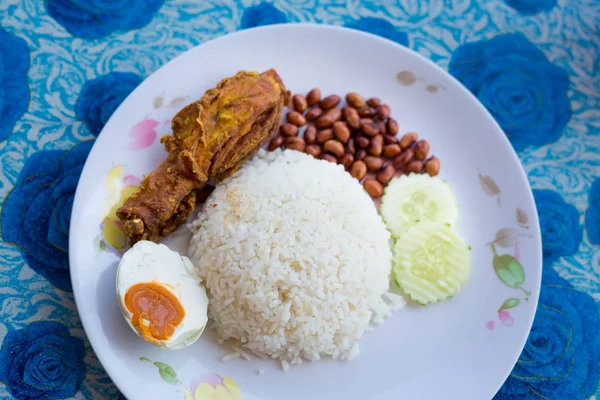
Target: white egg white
(149,262)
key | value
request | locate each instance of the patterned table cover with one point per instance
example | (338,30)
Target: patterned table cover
(65,65)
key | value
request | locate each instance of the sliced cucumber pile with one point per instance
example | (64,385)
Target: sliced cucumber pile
(415,198)
(431,261)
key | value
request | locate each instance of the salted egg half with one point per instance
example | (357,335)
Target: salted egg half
(161,296)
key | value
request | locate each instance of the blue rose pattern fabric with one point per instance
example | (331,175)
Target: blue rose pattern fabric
(541,85)
(37,212)
(92,19)
(592,214)
(559,223)
(42,361)
(14,89)
(101,96)
(381,27)
(262,14)
(561,359)
(531,7)
(514,80)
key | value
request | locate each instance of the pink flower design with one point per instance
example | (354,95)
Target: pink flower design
(490,325)
(131,180)
(503,315)
(211,379)
(506,319)
(214,387)
(142,134)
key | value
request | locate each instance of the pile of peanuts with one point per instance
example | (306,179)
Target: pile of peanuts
(361,136)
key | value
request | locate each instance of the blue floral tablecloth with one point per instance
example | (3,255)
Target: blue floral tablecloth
(65,65)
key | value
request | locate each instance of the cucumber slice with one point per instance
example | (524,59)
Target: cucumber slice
(413,198)
(431,262)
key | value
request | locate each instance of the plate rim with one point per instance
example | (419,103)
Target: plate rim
(457,85)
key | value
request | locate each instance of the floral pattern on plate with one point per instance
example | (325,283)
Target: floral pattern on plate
(507,267)
(213,386)
(119,186)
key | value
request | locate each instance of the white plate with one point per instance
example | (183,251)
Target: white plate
(462,348)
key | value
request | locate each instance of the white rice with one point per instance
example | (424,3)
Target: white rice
(294,257)
(244,355)
(231,356)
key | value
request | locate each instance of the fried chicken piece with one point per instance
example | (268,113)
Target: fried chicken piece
(211,138)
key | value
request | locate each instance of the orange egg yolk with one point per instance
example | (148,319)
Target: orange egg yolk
(156,311)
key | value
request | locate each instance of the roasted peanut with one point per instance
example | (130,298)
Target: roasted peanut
(414,166)
(389,139)
(373,187)
(351,147)
(373,102)
(334,147)
(313,97)
(294,143)
(432,166)
(347,160)
(403,158)
(421,149)
(341,131)
(383,112)
(295,118)
(392,127)
(324,135)
(371,129)
(355,100)
(386,174)
(382,127)
(348,111)
(408,140)
(275,143)
(353,121)
(300,103)
(391,150)
(362,142)
(328,157)
(328,118)
(288,129)
(330,102)
(376,146)
(358,169)
(365,121)
(313,114)
(314,150)
(373,163)
(360,154)
(366,112)
(310,134)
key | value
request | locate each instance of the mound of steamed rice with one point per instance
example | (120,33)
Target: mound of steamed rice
(294,257)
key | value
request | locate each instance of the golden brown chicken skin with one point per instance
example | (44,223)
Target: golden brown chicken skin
(211,139)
